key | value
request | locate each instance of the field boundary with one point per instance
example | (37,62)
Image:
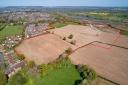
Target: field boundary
(91,43)
(108,80)
(114,41)
(112,45)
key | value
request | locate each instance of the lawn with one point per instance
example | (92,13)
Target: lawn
(65,75)
(61,77)
(11,31)
(59,25)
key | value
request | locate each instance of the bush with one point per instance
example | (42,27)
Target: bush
(69,51)
(87,73)
(43,69)
(78,82)
(21,57)
(70,36)
(31,64)
(18,79)
(73,42)
(64,38)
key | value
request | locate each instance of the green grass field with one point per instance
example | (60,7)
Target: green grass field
(61,77)
(64,74)
(10,31)
(58,25)
(110,17)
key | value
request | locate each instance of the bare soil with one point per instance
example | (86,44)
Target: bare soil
(111,64)
(86,34)
(43,49)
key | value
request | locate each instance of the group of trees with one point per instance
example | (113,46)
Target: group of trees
(19,78)
(21,57)
(88,75)
(24,76)
(69,37)
(59,63)
(28,77)
(73,42)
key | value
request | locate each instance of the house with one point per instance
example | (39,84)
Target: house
(14,68)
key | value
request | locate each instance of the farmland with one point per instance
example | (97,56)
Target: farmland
(106,15)
(114,61)
(63,45)
(90,43)
(58,25)
(109,16)
(10,31)
(86,34)
(43,49)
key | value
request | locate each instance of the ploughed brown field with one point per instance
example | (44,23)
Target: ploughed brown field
(42,49)
(100,81)
(109,63)
(86,34)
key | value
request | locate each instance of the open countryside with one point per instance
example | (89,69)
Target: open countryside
(85,47)
(63,45)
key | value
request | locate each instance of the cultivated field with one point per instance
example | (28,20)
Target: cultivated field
(43,49)
(109,63)
(86,34)
(82,34)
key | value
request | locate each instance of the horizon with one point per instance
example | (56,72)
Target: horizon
(54,3)
(68,6)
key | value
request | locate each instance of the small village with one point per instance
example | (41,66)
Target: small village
(8,58)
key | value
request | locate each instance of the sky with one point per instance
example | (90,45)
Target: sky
(105,3)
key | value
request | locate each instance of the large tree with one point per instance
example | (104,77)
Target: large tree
(19,78)
(31,64)
(2,77)
(88,74)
